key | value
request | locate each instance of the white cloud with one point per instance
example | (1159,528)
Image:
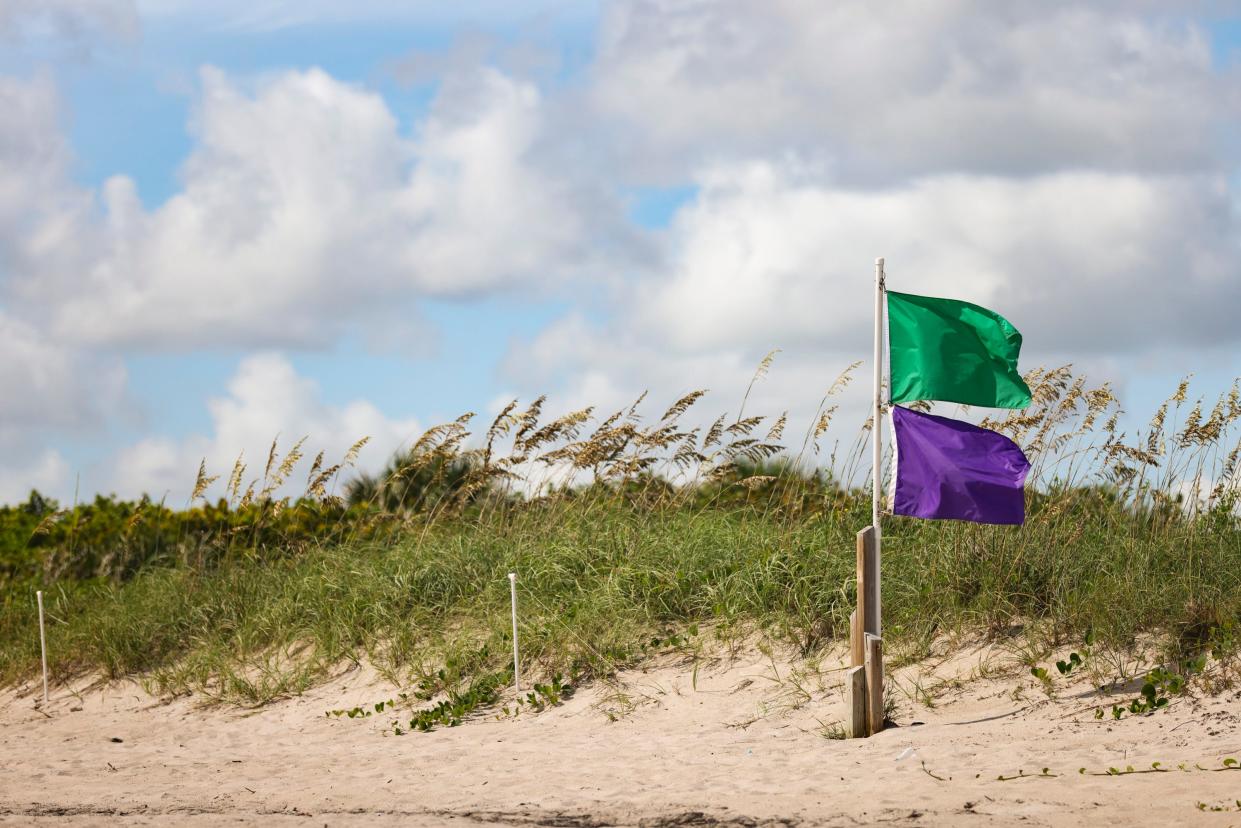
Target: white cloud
(44,470)
(50,391)
(303,209)
(1085,261)
(37,208)
(906,88)
(481,211)
(769,256)
(267,399)
(48,385)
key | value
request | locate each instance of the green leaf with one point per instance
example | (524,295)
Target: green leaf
(1230,762)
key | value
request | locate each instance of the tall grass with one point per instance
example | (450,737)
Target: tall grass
(619,529)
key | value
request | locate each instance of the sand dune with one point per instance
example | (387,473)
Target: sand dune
(738,741)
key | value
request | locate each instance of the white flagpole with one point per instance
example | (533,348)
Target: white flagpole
(876,432)
(42,644)
(512,585)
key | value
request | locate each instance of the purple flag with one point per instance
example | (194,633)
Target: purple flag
(949,469)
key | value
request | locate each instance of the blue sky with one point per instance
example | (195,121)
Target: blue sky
(681,189)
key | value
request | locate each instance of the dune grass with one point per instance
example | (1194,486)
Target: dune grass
(664,530)
(599,577)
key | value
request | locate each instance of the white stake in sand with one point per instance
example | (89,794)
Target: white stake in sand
(512,586)
(42,644)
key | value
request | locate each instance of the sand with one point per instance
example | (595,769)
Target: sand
(737,741)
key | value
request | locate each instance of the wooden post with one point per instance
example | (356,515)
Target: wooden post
(864,679)
(856,720)
(868,581)
(874,684)
(857,641)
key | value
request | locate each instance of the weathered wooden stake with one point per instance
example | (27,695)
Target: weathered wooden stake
(868,581)
(874,684)
(864,681)
(855,703)
(857,642)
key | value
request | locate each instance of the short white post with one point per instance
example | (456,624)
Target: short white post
(512,586)
(42,644)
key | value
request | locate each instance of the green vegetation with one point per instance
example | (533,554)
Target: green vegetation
(1227,765)
(664,528)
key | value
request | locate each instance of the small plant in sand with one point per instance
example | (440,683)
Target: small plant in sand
(1159,685)
(1227,764)
(364,712)
(452,711)
(541,696)
(831,730)
(1235,805)
(1065,667)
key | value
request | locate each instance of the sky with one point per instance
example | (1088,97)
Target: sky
(227,222)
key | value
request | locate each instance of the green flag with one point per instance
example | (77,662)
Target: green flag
(944,349)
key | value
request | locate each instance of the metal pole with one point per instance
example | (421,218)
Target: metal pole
(512,585)
(42,644)
(876,434)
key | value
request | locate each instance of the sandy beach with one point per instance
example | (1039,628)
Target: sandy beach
(737,741)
